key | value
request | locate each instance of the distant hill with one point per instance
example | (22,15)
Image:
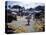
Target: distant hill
(16,6)
(40,8)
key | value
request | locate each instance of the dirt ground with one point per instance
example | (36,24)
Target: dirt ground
(20,25)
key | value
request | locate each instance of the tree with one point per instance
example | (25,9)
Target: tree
(9,6)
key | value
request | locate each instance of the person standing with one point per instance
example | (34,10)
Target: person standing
(28,20)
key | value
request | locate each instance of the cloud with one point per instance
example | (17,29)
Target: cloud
(26,4)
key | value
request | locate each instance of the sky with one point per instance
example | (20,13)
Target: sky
(26,4)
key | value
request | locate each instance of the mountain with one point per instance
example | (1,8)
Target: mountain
(40,8)
(16,7)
